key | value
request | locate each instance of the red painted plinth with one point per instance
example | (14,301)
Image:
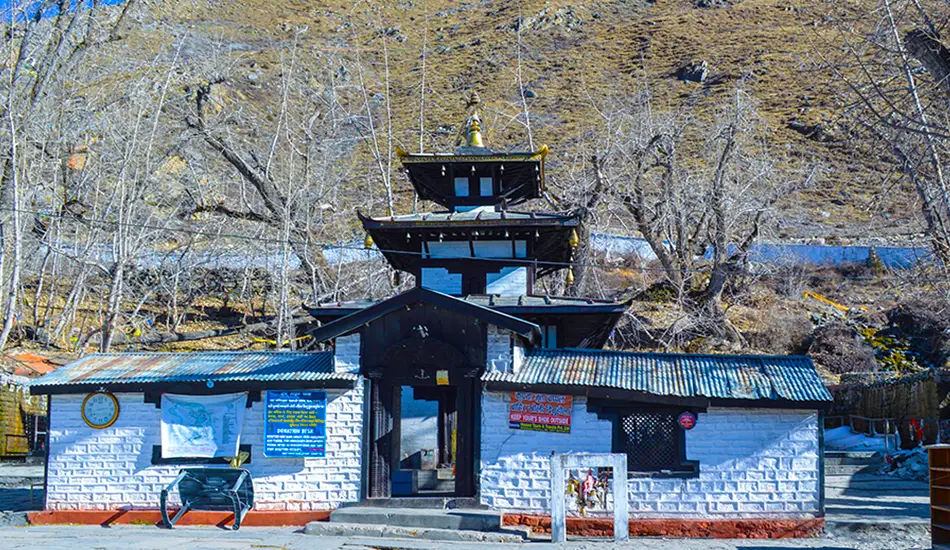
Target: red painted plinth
(194,517)
(680,527)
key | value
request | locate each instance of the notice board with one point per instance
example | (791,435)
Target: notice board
(295,424)
(540,412)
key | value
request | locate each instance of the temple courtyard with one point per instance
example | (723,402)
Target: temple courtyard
(211,538)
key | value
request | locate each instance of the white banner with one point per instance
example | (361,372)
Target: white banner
(202,425)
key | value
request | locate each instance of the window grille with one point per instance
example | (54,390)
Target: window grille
(651,441)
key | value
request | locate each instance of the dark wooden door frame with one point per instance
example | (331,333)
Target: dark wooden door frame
(384,428)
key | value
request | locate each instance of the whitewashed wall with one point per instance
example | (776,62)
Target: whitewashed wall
(753,463)
(346,354)
(111,469)
(440,280)
(510,281)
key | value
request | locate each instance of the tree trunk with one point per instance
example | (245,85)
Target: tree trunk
(925,46)
(112,313)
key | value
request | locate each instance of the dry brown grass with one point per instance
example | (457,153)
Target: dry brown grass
(616,48)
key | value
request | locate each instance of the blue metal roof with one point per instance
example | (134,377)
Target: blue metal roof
(199,367)
(750,377)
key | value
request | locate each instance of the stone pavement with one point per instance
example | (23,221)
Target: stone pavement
(136,537)
(857,501)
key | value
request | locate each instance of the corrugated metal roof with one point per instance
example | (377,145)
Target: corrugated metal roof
(139,368)
(713,376)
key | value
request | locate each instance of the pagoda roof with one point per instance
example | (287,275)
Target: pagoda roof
(357,319)
(591,320)
(509,304)
(478,216)
(514,177)
(473,154)
(401,238)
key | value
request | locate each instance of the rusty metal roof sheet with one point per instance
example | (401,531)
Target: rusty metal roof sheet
(747,377)
(110,369)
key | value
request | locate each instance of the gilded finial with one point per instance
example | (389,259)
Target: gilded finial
(368,241)
(573,240)
(570,276)
(474,132)
(474,100)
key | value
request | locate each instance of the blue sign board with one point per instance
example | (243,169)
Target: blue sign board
(295,424)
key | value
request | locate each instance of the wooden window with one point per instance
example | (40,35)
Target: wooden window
(461,187)
(485,187)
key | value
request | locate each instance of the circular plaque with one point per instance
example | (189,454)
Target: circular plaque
(100,410)
(687,420)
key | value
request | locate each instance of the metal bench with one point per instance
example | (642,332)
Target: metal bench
(216,489)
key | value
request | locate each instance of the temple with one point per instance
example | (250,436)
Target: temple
(479,250)
(455,393)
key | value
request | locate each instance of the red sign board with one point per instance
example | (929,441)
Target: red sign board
(540,412)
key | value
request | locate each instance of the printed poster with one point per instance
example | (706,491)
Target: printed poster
(203,426)
(540,412)
(295,424)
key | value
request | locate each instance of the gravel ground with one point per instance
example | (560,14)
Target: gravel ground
(210,538)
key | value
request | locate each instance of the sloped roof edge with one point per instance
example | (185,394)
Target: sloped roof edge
(339,327)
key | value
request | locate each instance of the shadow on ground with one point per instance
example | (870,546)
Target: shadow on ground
(17,499)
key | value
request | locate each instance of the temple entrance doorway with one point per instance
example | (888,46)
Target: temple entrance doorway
(428,435)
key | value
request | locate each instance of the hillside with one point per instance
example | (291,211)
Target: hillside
(574,57)
(181,175)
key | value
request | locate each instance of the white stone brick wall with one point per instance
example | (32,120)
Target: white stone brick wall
(441,280)
(510,281)
(752,462)
(498,350)
(346,354)
(515,464)
(111,469)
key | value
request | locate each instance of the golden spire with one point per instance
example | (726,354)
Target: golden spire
(474,132)
(473,136)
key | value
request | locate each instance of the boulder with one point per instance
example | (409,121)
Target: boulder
(694,72)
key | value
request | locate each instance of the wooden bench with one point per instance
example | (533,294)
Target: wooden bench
(215,489)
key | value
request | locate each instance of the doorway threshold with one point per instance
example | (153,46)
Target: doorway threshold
(427,501)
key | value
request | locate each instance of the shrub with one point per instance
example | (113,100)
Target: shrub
(783,333)
(840,349)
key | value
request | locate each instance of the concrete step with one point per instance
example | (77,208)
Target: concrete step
(428,480)
(424,503)
(21,481)
(390,532)
(472,520)
(850,469)
(852,458)
(867,483)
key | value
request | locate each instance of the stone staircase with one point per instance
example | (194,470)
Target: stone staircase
(456,525)
(859,500)
(847,463)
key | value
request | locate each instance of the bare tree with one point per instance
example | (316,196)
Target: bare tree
(699,217)
(895,67)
